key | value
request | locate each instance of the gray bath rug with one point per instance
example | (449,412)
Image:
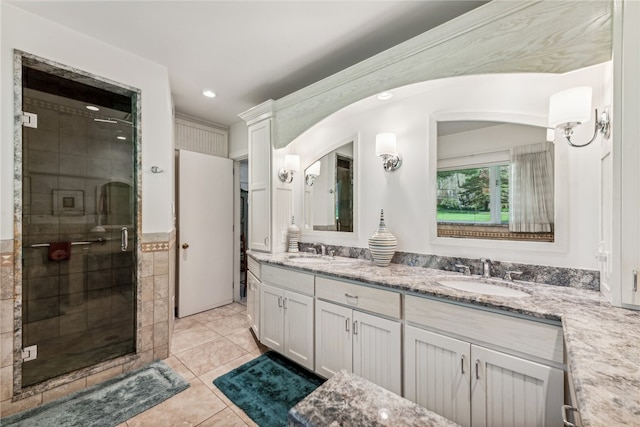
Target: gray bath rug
(106,404)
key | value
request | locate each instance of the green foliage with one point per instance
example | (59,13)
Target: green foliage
(475,189)
(450,203)
(464,195)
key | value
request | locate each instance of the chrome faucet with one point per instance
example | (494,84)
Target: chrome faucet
(465,269)
(486,268)
(508,275)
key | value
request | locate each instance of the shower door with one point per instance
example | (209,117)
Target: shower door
(78,226)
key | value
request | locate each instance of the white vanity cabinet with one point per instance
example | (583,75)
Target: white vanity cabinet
(286,313)
(366,344)
(253,296)
(480,368)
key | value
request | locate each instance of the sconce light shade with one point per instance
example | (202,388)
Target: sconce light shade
(313,172)
(292,162)
(314,169)
(386,148)
(570,106)
(385,144)
(291,165)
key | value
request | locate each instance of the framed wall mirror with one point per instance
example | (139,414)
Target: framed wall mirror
(329,190)
(495,180)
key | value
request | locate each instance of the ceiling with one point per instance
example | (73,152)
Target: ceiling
(248,51)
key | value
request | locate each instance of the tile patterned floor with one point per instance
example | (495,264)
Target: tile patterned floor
(205,346)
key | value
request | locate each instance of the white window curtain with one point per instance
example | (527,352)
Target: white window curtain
(531,197)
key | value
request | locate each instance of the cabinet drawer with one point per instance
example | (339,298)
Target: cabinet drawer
(253,266)
(528,337)
(375,300)
(288,279)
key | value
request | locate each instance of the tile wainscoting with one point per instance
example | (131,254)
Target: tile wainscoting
(154,317)
(558,276)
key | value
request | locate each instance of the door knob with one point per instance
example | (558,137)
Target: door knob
(185,245)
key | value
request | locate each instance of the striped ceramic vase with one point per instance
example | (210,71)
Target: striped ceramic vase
(294,235)
(382,244)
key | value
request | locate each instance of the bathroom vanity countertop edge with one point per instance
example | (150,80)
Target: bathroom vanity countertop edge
(351,401)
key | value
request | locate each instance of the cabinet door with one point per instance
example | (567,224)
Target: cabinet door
(260,186)
(509,391)
(437,374)
(376,350)
(333,339)
(272,317)
(298,328)
(626,135)
(253,303)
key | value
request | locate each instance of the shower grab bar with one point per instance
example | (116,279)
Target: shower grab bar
(85,242)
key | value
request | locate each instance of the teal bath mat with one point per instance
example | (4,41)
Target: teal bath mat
(267,387)
(106,404)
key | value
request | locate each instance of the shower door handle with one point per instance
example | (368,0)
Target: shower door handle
(124,239)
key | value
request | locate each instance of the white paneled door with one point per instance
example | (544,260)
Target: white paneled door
(376,350)
(334,346)
(271,317)
(437,374)
(298,322)
(510,391)
(205,246)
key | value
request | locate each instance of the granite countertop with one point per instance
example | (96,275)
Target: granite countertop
(347,400)
(602,342)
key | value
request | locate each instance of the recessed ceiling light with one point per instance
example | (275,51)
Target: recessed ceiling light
(124,138)
(383,96)
(92,108)
(209,93)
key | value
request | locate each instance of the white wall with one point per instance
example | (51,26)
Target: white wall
(238,141)
(30,33)
(406,194)
(487,144)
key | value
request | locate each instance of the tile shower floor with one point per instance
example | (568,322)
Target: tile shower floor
(205,346)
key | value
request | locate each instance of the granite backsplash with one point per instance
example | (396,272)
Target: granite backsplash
(558,276)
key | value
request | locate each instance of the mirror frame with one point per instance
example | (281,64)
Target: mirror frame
(316,235)
(561,185)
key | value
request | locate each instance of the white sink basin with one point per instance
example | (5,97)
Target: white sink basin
(483,288)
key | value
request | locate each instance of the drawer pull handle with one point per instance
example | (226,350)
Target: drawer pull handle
(477,369)
(280,302)
(462,365)
(565,409)
(348,295)
(635,280)
(284,303)
(346,324)
(355,327)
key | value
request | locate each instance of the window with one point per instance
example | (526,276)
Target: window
(494,181)
(477,195)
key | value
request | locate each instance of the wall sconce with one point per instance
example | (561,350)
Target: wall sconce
(386,148)
(572,107)
(313,172)
(291,165)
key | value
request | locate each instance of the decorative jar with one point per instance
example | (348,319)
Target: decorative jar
(382,244)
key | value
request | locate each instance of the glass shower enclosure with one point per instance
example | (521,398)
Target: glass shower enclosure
(78,225)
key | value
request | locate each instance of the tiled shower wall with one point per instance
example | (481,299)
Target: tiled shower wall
(154,313)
